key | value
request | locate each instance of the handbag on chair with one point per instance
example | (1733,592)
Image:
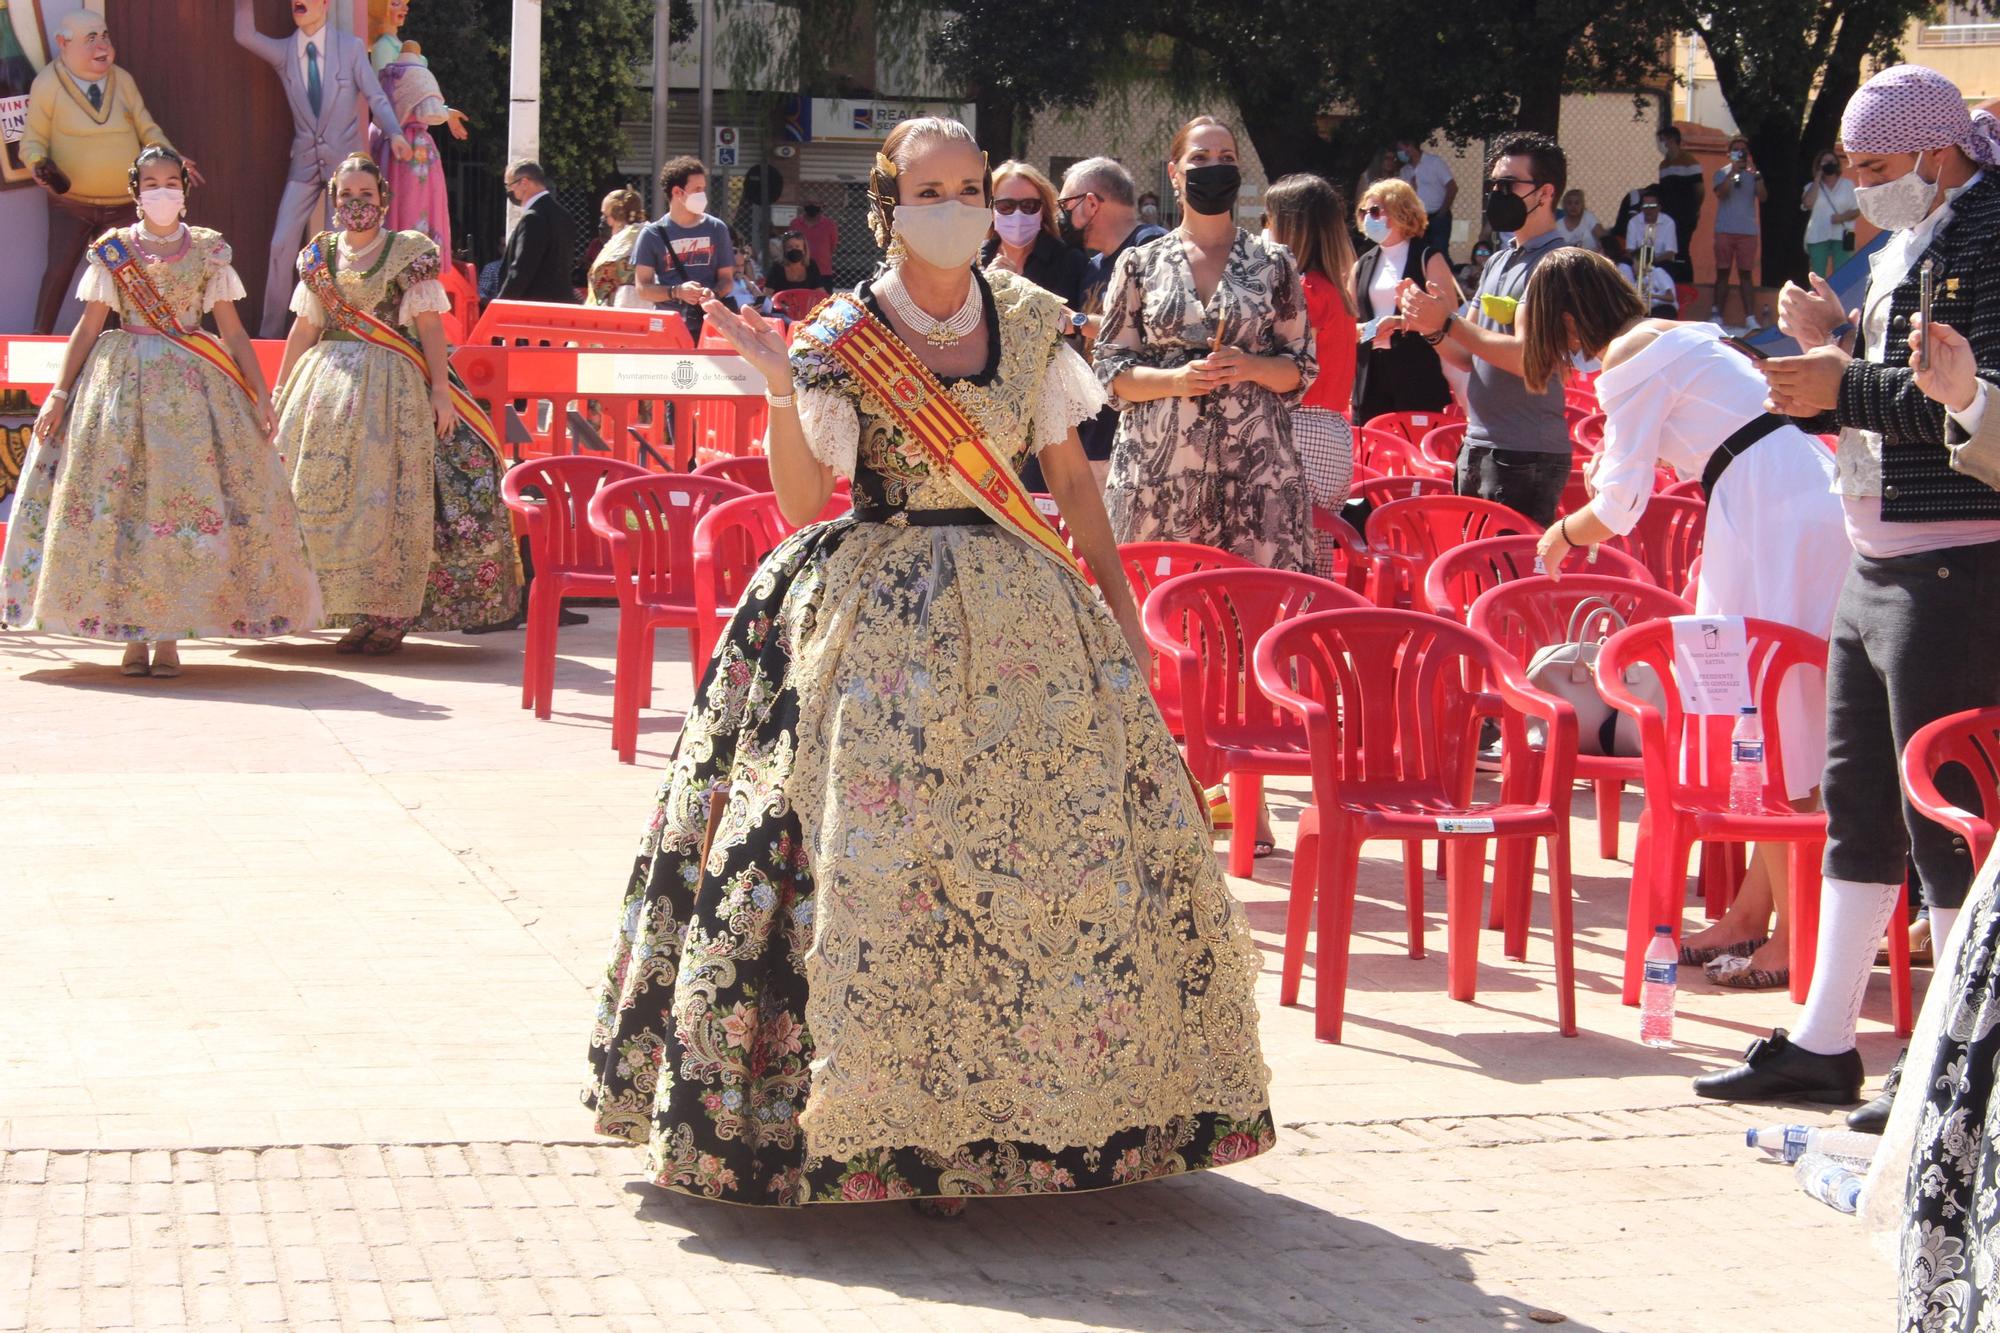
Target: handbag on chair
(1568,670)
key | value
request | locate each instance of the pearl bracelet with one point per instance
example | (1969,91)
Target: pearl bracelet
(59,393)
(780,399)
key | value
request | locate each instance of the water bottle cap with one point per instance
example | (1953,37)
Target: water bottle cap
(1747,710)
(1749,1138)
(1663,930)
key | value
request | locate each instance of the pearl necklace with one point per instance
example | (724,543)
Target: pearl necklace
(937,332)
(349,258)
(166,248)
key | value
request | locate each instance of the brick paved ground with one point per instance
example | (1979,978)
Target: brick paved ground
(293,995)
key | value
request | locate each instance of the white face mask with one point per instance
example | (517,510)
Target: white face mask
(1017,228)
(163,206)
(946,235)
(695,201)
(1897,205)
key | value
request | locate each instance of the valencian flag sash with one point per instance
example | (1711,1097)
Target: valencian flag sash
(351,319)
(140,293)
(932,418)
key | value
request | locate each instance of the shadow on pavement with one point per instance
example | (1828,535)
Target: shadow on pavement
(231,683)
(1200,1252)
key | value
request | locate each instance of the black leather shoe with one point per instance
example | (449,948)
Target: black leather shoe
(1774,1070)
(1874,1117)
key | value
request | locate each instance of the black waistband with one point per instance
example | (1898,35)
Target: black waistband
(923,518)
(1739,442)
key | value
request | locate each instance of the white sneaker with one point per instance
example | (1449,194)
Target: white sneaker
(1750,324)
(1715,315)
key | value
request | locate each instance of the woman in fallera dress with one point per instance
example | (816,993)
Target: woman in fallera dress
(152,506)
(928,908)
(397,474)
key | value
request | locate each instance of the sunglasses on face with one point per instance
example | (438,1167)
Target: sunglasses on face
(1032,207)
(1071,201)
(1509,182)
(1374,211)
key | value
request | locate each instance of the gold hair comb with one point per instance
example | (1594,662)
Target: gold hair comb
(884,166)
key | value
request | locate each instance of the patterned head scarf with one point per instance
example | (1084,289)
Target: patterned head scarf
(1909,109)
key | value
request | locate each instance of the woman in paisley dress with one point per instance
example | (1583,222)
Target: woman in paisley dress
(928,909)
(399,496)
(1206,349)
(152,506)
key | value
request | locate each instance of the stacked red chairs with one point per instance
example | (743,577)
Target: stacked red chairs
(752,471)
(1381,490)
(1970,740)
(1149,564)
(1575,493)
(1667,538)
(1391,704)
(730,541)
(1412,426)
(1528,615)
(1684,760)
(1205,626)
(1394,455)
(569,559)
(648,523)
(1421,530)
(1690,488)
(1457,577)
(796,303)
(1582,398)
(1441,446)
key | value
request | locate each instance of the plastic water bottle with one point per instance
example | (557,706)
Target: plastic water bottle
(1746,763)
(1656,992)
(1791,1142)
(1834,1183)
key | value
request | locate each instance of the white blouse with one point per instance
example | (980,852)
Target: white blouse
(1674,402)
(1388,277)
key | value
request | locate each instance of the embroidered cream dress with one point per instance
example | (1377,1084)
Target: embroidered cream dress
(960,929)
(158,510)
(407,531)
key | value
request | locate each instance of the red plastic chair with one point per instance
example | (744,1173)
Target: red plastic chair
(1391,722)
(1580,398)
(1424,528)
(1394,455)
(1575,494)
(1381,490)
(648,523)
(1149,564)
(1457,578)
(797,302)
(1204,626)
(1684,759)
(1527,615)
(1972,741)
(1412,426)
(1667,538)
(1588,433)
(730,542)
(1441,446)
(1376,575)
(752,471)
(569,559)
(1690,487)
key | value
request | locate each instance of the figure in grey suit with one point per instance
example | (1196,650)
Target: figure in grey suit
(323,71)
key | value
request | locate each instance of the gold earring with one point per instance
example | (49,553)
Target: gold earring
(897,250)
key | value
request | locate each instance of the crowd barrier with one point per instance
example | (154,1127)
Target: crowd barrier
(559,379)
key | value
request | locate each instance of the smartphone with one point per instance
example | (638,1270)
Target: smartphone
(1749,349)
(1366,333)
(1926,290)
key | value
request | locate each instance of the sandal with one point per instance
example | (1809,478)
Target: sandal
(1262,848)
(382,644)
(1700,955)
(350,642)
(1734,972)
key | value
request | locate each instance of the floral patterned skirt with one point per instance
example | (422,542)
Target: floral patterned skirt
(158,511)
(1951,1220)
(406,531)
(927,907)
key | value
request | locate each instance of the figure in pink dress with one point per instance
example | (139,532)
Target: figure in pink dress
(417,197)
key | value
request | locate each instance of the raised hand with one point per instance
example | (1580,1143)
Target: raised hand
(1810,316)
(756,339)
(1952,375)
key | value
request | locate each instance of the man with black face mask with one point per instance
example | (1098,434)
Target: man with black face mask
(1096,213)
(1517,447)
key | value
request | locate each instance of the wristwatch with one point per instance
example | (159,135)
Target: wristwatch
(1077,322)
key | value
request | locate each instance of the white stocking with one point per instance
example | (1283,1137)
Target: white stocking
(1942,920)
(1852,918)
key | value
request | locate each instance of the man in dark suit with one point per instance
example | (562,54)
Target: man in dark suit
(542,249)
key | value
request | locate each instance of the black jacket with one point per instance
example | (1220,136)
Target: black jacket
(1052,266)
(1919,484)
(540,255)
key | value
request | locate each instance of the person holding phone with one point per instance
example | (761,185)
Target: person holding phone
(1394,369)
(1683,395)
(1914,638)
(1830,208)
